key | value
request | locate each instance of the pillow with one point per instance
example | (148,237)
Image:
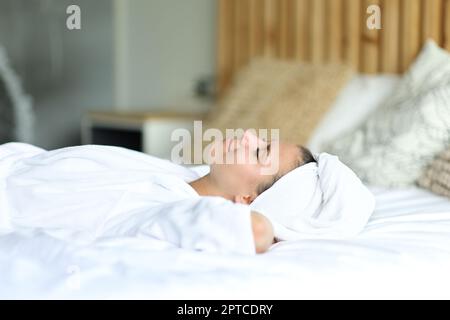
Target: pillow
(397,141)
(323,200)
(436,177)
(362,95)
(289,96)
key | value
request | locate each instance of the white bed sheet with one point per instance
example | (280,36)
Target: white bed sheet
(403,252)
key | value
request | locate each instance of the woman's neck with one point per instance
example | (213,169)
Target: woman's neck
(206,186)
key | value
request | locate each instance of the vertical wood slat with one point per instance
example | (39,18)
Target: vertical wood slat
(318,35)
(302,32)
(447,25)
(390,33)
(431,26)
(290,45)
(225,45)
(369,41)
(241,33)
(410,32)
(327,30)
(256,30)
(269,28)
(352,29)
(282,28)
(236,39)
(334,30)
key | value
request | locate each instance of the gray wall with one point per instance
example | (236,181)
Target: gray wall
(147,56)
(170,45)
(66,72)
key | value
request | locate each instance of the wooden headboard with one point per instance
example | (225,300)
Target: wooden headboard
(327,31)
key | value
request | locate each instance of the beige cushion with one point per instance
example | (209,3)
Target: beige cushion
(436,177)
(274,94)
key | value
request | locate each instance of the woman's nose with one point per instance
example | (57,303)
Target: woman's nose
(249,138)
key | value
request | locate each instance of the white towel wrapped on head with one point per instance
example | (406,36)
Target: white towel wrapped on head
(317,200)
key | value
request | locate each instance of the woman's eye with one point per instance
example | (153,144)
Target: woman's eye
(257,153)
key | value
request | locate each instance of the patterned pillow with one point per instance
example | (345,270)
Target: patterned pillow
(289,96)
(436,177)
(393,146)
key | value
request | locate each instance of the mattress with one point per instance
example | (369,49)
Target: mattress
(404,252)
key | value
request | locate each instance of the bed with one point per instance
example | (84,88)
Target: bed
(403,252)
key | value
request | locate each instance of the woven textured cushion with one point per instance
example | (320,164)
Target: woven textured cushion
(436,177)
(275,94)
(395,144)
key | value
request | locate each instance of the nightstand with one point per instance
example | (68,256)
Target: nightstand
(147,132)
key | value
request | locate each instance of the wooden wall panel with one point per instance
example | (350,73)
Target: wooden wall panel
(322,31)
(432,20)
(225,44)
(270,41)
(410,40)
(241,33)
(447,24)
(369,41)
(352,31)
(334,30)
(256,28)
(302,32)
(283,28)
(318,36)
(290,32)
(390,36)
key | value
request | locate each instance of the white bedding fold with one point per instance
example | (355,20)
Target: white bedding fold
(399,254)
(81,194)
(317,200)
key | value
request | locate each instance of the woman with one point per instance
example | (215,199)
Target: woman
(85,193)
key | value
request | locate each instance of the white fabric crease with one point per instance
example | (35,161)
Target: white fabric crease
(317,200)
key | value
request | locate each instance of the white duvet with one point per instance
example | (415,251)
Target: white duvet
(404,251)
(86,193)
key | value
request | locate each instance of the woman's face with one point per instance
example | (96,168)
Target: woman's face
(244,164)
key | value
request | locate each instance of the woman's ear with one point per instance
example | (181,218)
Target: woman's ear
(247,199)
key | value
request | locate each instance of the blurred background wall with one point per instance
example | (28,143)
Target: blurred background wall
(129,54)
(163,48)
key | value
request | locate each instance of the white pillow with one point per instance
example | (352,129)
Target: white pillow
(323,200)
(362,95)
(397,141)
